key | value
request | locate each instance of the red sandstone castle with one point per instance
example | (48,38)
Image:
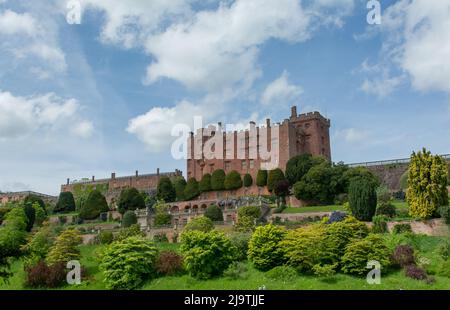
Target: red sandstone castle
(301,133)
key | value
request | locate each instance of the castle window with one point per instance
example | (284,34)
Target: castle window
(244,165)
(252,164)
(323,140)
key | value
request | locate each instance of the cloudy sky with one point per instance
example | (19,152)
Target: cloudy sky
(102,96)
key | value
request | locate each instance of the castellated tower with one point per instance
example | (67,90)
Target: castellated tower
(244,151)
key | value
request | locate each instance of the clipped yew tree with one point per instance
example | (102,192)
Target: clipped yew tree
(218,180)
(214,213)
(205,183)
(427,184)
(31,199)
(298,166)
(362,198)
(94,205)
(179,183)
(261,178)
(275,176)
(248,180)
(129,218)
(130,199)
(191,191)
(66,203)
(233,180)
(165,190)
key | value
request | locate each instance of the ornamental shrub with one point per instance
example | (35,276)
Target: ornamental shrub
(42,275)
(129,218)
(214,213)
(324,271)
(264,249)
(444,269)
(261,178)
(362,199)
(31,216)
(179,184)
(444,249)
(31,199)
(379,224)
(236,270)
(233,180)
(403,256)
(130,199)
(240,242)
(275,176)
(445,214)
(359,252)
(40,215)
(38,246)
(191,190)
(298,166)
(402,228)
(218,180)
(169,263)
(132,231)
(200,223)
(282,273)
(105,237)
(162,218)
(415,272)
(247,217)
(160,237)
(251,211)
(205,183)
(127,263)
(206,254)
(93,206)
(248,180)
(165,190)
(65,247)
(386,210)
(66,203)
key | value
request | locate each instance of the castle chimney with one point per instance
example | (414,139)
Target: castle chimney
(268,122)
(68,181)
(157,171)
(293,111)
(137,173)
(93,178)
(113,175)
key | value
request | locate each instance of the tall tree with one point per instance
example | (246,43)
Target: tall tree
(165,190)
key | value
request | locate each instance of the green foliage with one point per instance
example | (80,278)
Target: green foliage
(274,177)
(31,199)
(359,252)
(129,218)
(105,237)
(298,166)
(200,223)
(132,231)
(233,180)
(214,213)
(379,224)
(261,178)
(130,199)
(16,218)
(444,249)
(169,263)
(362,198)
(192,190)
(81,192)
(282,273)
(3,212)
(444,269)
(40,215)
(445,214)
(264,249)
(247,217)
(205,183)
(427,184)
(384,202)
(218,180)
(162,218)
(66,203)
(31,216)
(248,180)
(281,189)
(324,271)
(240,242)
(236,271)
(339,234)
(38,246)
(401,228)
(165,190)
(179,184)
(127,263)
(206,254)
(94,205)
(251,211)
(65,247)
(359,173)
(160,237)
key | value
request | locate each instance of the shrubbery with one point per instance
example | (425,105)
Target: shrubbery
(362,199)
(132,231)
(403,256)
(129,218)
(265,250)
(65,247)
(93,206)
(236,270)
(200,223)
(275,176)
(445,214)
(179,184)
(218,180)
(248,180)
(240,241)
(160,237)
(379,224)
(247,217)
(206,254)
(384,202)
(261,178)
(205,183)
(401,228)
(282,273)
(66,203)
(127,263)
(42,275)
(37,247)
(214,213)
(130,199)
(191,190)
(169,263)
(165,190)
(233,180)
(105,237)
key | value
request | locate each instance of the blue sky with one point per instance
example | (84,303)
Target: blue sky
(101,96)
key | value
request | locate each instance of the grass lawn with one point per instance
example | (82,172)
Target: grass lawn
(329,208)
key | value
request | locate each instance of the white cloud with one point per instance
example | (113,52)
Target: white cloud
(12,23)
(281,92)
(21,116)
(352,135)
(84,129)
(381,86)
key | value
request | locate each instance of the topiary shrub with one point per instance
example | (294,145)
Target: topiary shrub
(127,263)
(282,273)
(129,218)
(31,216)
(402,228)
(105,237)
(275,176)
(205,183)
(379,224)
(240,242)
(362,199)
(206,254)
(261,178)
(264,249)
(298,166)
(191,191)
(179,184)
(65,247)
(169,263)
(236,270)
(233,180)
(66,203)
(359,252)
(336,216)
(403,256)
(214,213)
(200,223)
(218,180)
(93,206)
(165,190)
(130,199)
(248,180)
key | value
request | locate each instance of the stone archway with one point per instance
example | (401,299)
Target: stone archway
(174,209)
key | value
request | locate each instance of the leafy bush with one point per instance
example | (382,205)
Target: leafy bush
(274,177)
(37,247)
(318,184)
(93,206)
(65,247)
(264,249)
(66,203)
(214,213)
(30,216)
(233,180)
(298,166)
(201,223)
(362,198)
(132,231)
(248,180)
(359,252)
(32,199)
(282,273)
(403,256)
(401,228)
(40,215)
(251,211)
(340,199)
(130,199)
(415,272)
(206,254)
(179,184)
(444,269)
(127,263)
(247,216)
(162,218)
(240,242)
(445,214)
(62,219)
(169,263)
(444,249)
(160,237)
(280,209)
(386,210)
(218,180)
(324,271)
(281,189)
(165,190)
(42,275)
(205,183)
(236,270)
(129,218)
(105,237)
(261,178)
(379,224)
(191,190)
(336,216)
